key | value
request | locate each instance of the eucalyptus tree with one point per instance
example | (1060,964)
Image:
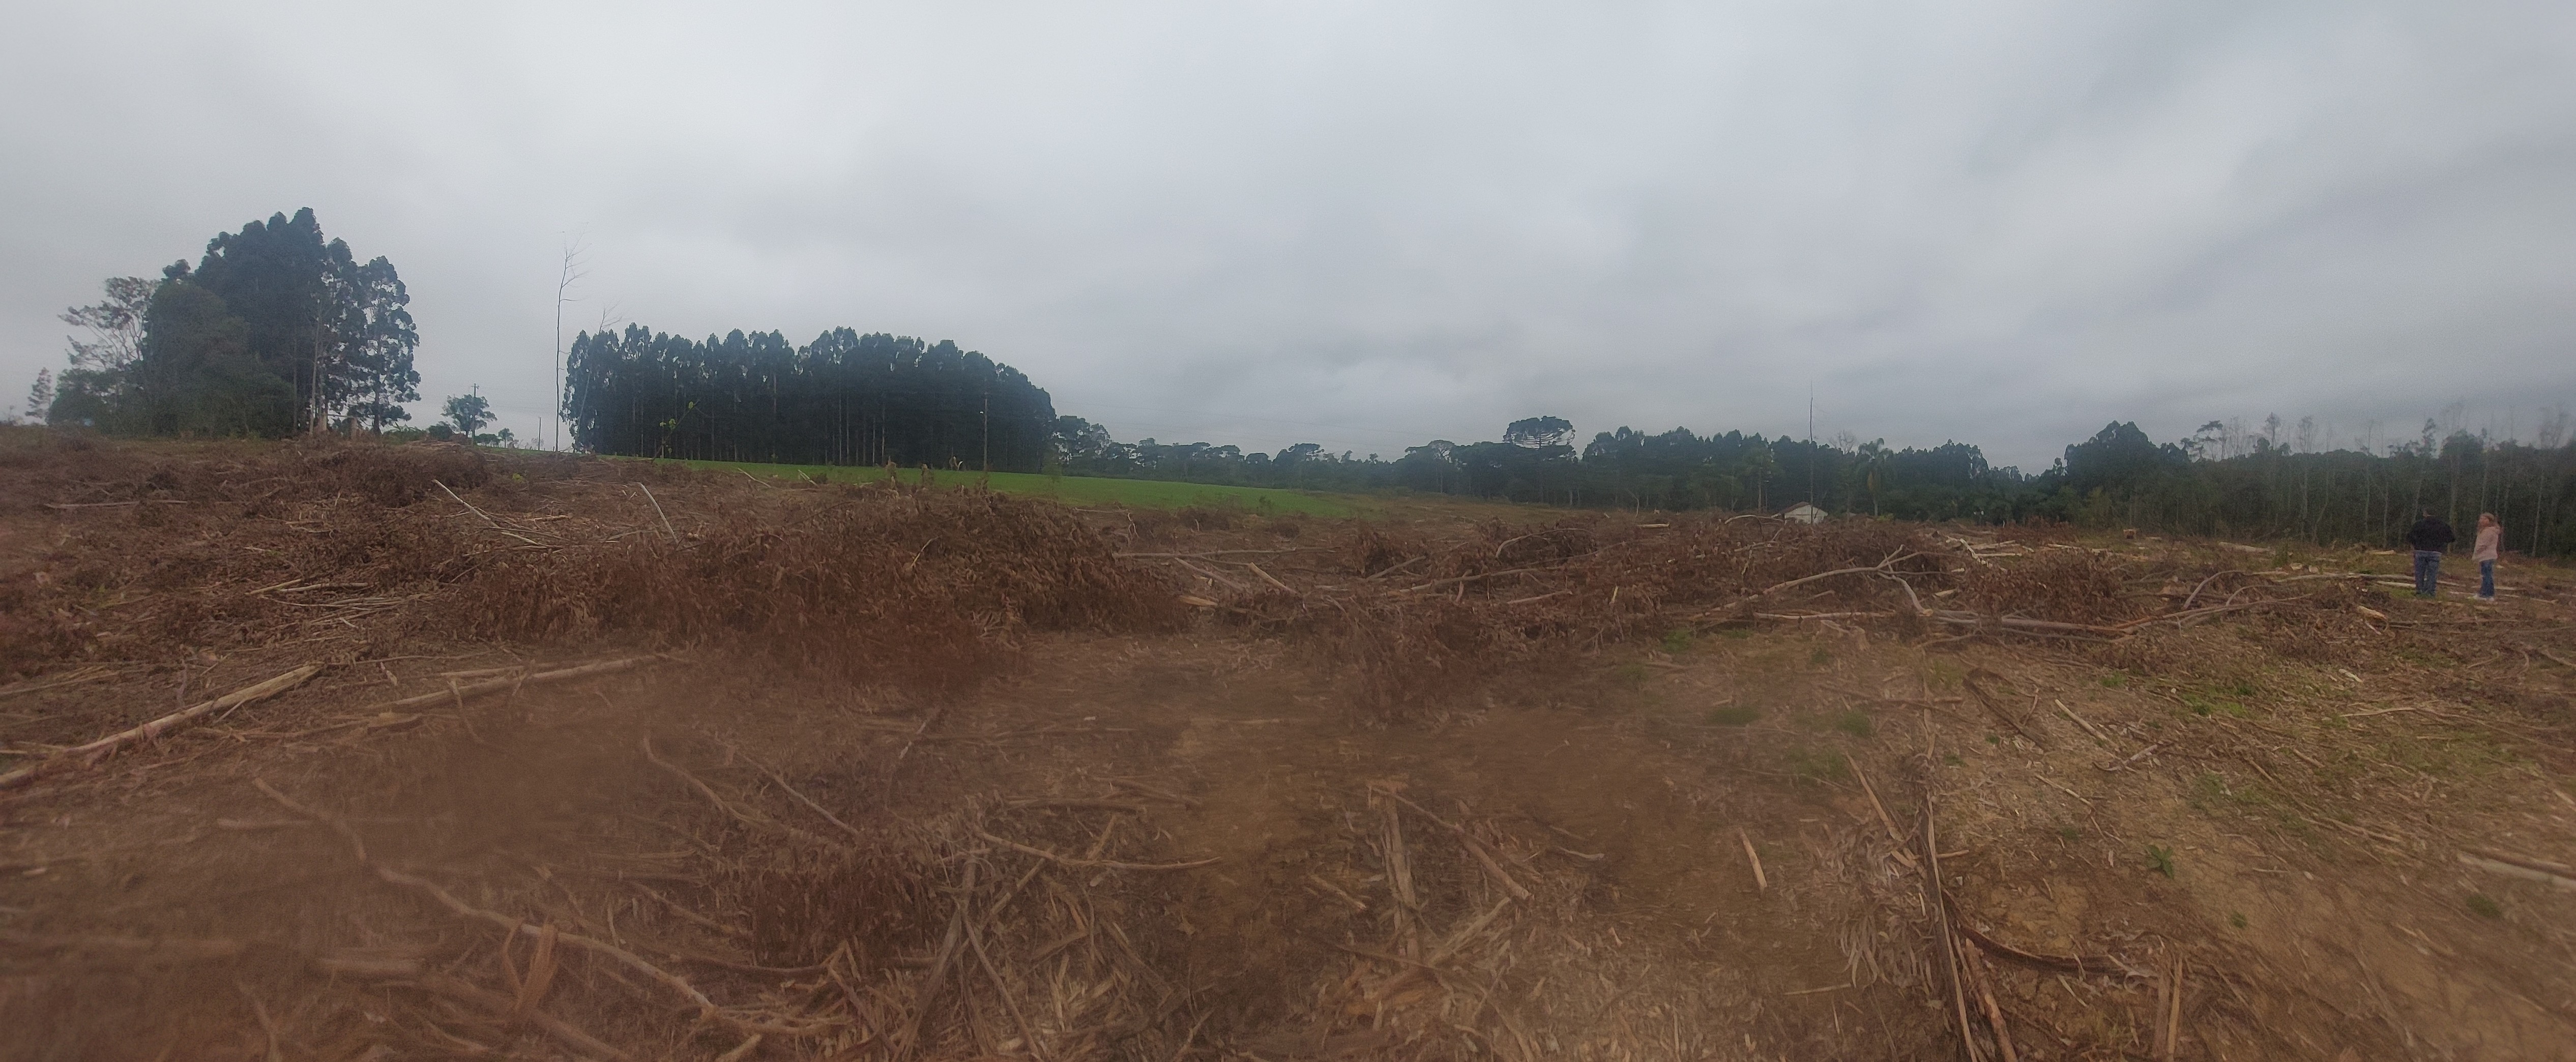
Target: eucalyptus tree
(276,330)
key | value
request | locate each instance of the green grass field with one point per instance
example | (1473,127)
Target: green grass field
(1074,490)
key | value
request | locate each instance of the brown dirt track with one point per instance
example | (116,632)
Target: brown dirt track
(935,773)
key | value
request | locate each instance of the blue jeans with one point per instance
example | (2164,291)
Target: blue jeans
(2486,580)
(2428,571)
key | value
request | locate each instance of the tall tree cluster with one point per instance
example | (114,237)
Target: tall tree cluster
(277,330)
(843,399)
(2273,490)
(1536,461)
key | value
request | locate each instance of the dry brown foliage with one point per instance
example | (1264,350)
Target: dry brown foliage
(233,545)
(1151,848)
(2067,585)
(1458,616)
(884,584)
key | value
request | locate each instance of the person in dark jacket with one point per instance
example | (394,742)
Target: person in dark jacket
(2430,536)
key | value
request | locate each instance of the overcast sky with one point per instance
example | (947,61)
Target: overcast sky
(1370,224)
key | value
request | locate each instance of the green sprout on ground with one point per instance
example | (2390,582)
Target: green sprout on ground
(1856,724)
(1677,640)
(2161,858)
(1810,764)
(2237,919)
(1734,715)
(2202,706)
(2485,906)
(2070,833)
(2115,680)
(1820,657)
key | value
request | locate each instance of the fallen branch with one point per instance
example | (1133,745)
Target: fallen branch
(1141,789)
(1271,579)
(1459,940)
(487,518)
(707,1009)
(2089,728)
(1465,579)
(1879,567)
(1044,731)
(1986,998)
(1761,882)
(470,689)
(2169,1018)
(2516,869)
(1475,847)
(558,1028)
(2384,711)
(1400,566)
(1210,576)
(86,674)
(752,817)
(1089,803)
(137,950)
(1894,835)
(2178,617)
(1996,708)
(1102,864)
(909,1043)
(94,751)
(1940,904)
(1335,891)
(2204,585)
(676,983)
(657,511)
(2076,964)
(2532,862)
(2134,758)
(835,820)
(1208,554)
(1973,619)
(693,916)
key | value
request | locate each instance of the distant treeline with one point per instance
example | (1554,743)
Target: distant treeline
(279,330)
(276,331)
(844,399)
(2262,488)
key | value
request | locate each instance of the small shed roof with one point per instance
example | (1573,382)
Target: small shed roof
(1804,513)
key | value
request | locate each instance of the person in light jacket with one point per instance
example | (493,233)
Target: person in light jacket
(2490,543)
(2430,536)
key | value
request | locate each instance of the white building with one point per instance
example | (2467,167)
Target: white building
(1804,513)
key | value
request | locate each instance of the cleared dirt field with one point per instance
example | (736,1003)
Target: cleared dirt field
(551,757)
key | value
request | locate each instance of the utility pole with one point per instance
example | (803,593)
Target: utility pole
(988,429)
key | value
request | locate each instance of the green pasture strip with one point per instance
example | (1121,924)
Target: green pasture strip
(1071,490)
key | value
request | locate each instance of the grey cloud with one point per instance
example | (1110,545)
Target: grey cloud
(1370,224)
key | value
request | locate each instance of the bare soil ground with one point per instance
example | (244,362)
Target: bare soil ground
(598,761)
